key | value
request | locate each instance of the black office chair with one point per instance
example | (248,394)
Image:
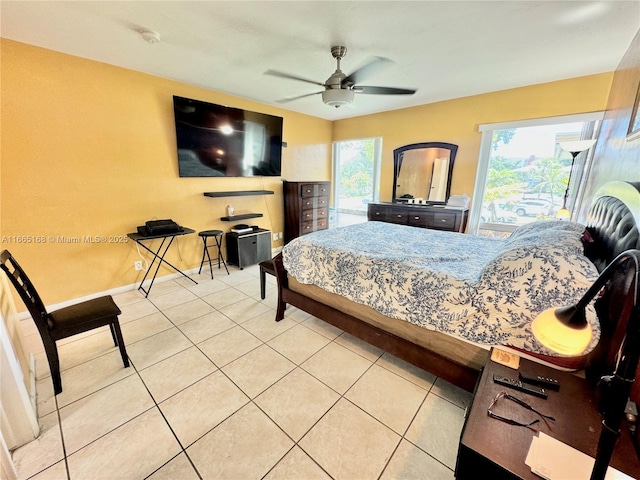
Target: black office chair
(64,322)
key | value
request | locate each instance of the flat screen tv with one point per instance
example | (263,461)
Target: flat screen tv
(218,141)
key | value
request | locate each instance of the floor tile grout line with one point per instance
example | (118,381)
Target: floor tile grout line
(64,450)
(157,405)
(402,436)
(295,442)
(253,399)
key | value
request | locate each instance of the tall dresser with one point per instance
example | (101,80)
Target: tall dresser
(306,208)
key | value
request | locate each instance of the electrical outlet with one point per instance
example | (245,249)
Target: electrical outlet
(137,265)
(275,236)
(279,234)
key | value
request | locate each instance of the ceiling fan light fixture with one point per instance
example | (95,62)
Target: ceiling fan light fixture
(338,97)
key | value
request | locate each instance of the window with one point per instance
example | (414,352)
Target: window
(523,173)
(356,172)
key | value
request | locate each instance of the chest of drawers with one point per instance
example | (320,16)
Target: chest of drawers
(306,208)
(424,216)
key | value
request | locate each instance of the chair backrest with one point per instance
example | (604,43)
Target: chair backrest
(27,292)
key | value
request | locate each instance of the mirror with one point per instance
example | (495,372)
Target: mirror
(422,171)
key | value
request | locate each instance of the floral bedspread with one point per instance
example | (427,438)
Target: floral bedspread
(484,290)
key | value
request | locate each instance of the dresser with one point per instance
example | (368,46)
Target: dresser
(424,216)
(306,208)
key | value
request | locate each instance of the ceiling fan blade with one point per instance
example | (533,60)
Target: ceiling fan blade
(286,100)
(291,77)
(384,90)
(377,64)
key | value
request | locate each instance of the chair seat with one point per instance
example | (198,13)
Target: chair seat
(211,233)
(70,320)
(268,267)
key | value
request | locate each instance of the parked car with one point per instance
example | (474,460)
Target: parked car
(532,208)
(501,216)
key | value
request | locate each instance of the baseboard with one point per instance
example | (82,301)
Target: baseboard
(115,291)
(112,291)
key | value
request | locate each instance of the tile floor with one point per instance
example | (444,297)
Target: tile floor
(218,389)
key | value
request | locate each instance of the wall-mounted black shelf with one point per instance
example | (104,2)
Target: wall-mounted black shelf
(243,216)
(238,193)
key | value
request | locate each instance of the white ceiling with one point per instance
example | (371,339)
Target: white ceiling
(445,49)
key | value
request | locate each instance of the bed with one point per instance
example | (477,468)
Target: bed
(441,300)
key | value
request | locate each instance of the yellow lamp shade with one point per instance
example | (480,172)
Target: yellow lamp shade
(557,336)
(563,214)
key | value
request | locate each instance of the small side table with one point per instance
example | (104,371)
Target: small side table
(490,448)
(158,254)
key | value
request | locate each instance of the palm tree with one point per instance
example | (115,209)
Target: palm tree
(550,177)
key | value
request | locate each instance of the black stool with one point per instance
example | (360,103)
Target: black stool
(265,267)
(217,236)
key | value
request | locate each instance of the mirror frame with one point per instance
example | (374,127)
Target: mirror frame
(397,163)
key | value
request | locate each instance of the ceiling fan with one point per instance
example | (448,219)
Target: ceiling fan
(340,89)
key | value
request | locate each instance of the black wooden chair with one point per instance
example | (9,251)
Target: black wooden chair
(64,322)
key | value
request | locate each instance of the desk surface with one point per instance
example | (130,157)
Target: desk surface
(487,443)
(137,237)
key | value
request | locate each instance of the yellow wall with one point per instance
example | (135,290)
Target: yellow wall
(456,121)
(89,149)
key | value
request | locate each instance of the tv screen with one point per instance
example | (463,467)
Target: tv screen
(218,141)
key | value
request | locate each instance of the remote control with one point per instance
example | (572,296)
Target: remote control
(547,382)
(518,385)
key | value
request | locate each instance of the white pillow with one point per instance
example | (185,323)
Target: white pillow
(547,234)
(546,226)
(521,282)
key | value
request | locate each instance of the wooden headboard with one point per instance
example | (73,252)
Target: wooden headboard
(613,222)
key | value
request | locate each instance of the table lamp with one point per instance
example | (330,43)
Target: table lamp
(566,330)
(574,148)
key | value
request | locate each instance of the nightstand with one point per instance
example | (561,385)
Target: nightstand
(490,448)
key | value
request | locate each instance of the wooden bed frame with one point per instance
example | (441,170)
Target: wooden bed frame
(612,222)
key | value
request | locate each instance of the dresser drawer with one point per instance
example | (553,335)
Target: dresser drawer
(377,213)
(314,202)
(395,215)
(444,221)
(314,225)
(322,212)
(420,219)
(314,214)
(314,190)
